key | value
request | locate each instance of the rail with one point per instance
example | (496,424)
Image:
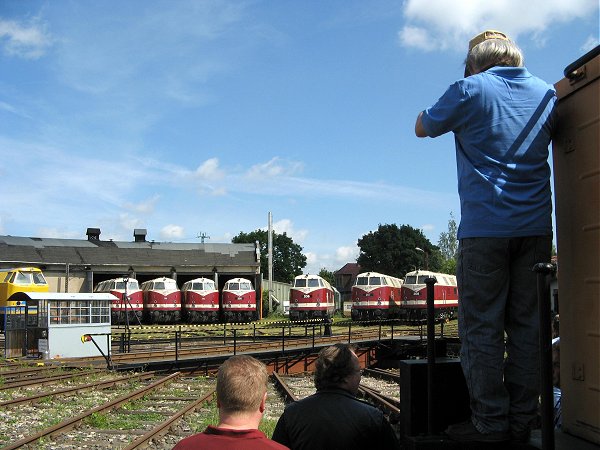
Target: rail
(164,427)
(282,387)
(65,425)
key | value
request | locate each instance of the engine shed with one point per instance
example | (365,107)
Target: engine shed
(77,265)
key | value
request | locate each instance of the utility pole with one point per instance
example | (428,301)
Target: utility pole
(202,235)
(270,255)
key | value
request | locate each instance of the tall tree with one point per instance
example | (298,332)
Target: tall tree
(288,260)
(448,244)
(327,275)
(393,250)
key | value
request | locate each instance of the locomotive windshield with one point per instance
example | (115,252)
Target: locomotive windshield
(375,281)
(234,286)
(300,282)
(313,282)
(38,278)
(413,279)
(23,278)
(362,281)
(159,285)
(246,286)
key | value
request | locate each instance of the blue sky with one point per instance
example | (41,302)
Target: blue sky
(191,117)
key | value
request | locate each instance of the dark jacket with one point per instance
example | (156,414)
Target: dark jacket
(333,419)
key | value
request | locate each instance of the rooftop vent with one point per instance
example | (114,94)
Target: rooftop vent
(93,234)
(139,234)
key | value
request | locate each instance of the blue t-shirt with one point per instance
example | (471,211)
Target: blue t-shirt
(502,121)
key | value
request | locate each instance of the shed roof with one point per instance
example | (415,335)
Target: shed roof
(47,251)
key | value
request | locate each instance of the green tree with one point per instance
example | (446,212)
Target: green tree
(327,275)
(392,250)
(288,260)
(448,245)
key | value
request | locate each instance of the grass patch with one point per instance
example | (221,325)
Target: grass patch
(114,421)
(208,415)
(267,426)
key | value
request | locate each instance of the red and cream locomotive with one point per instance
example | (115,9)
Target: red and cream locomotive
(200,299)
(376,296)
(162,300)
(311,297)
(414,295)
(129,306)
(239,301)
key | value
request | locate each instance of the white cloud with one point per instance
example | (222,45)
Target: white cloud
(28,41)
(209,170)
(417,37)
(219,192)
(427,227)
(287,226)
(274,168)
(448,24)
(11,109)
(171,232)
(590,43)
(129,222)
(144,207)
(311,258)
(346,254)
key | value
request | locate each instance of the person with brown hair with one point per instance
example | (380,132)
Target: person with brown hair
(333,418)
(241,398)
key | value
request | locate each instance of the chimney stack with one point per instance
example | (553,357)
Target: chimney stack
(139,234)
(93,234)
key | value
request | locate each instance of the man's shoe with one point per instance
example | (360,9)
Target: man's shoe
(466,432)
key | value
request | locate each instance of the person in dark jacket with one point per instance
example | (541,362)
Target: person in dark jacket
(333,418)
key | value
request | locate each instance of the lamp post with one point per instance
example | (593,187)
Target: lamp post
(426,257)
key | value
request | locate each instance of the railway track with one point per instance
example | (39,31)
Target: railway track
(146,413)
(156,411)
(30,395)
(128,411)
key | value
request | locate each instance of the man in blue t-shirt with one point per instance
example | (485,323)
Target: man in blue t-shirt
(502,119)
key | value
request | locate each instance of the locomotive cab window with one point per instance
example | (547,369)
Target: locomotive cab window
(300,282)
(38,278)
(362,281)
(375,281)
(23,278)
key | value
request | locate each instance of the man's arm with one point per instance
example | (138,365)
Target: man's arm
(419,130)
